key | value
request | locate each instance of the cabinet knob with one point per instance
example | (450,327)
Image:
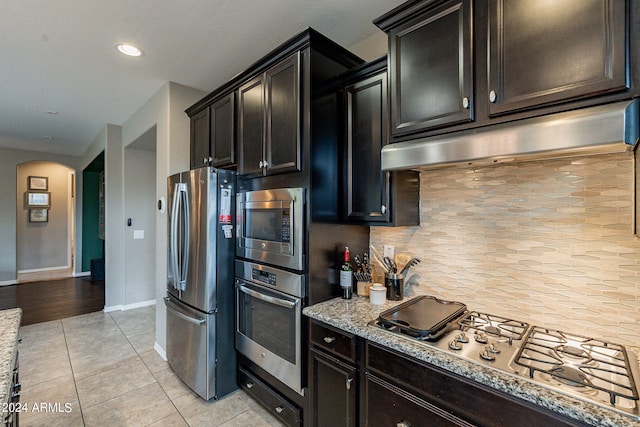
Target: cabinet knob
(261,164)
(205,161)
(349,382)
(265,164)
(493,96)
(329,340)
(403,424)
(465,102)
(383,209)
(249,385)
(279,409)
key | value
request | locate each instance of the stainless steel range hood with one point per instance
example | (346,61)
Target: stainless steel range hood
(603,129)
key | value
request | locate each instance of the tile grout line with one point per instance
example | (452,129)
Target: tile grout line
(73,375)
(152,374)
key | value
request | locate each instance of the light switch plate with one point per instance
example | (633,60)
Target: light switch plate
(138,234)
(389,251)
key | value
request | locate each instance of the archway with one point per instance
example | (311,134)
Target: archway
(45,221)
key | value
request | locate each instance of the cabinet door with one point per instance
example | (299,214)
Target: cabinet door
(222,132)
(388,405)
(545,52)
(334,391)
(200,139)
(367,186)
(283,116)
(430,66)
(251,127)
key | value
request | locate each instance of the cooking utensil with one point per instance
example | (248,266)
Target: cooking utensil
(411,263)
(391,265)
(378,258)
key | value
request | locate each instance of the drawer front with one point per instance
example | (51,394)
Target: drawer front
(387,405)
(460,396)
(333,340)
(277,405)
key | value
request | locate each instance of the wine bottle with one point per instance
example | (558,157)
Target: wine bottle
(346,276)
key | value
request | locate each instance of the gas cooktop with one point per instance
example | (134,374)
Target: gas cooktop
(585,368)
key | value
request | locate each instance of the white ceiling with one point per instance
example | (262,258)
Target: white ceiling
(59,55)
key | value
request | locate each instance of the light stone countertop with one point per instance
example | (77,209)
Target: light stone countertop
(354,315)
(9,327)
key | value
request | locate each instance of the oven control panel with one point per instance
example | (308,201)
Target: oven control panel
(263,276)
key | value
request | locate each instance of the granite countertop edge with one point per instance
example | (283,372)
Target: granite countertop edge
(354,315)
(9,327)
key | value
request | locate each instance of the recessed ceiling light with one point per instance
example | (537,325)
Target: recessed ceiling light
(50,113)
(128,49)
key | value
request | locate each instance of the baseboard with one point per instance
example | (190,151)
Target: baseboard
(160,351)
(129,306)
(81,274)
(8,282)
(37,270)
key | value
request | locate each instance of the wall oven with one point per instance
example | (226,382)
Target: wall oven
(270,227)
(269,320)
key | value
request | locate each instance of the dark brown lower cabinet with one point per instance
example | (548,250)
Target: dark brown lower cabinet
(334,394)
(388,405)
(405,392)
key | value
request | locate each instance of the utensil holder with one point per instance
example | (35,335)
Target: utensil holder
(394,283)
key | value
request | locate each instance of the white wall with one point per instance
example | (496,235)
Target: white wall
(165,110)
(139,206)
(372,47)
(9,159)
(114,226)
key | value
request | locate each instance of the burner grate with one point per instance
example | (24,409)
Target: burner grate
(579,361)
(494,325)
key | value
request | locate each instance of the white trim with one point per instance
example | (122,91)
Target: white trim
(35,270)
(139,304)
(129,306)
(160,351)
(81,274)
(8,282)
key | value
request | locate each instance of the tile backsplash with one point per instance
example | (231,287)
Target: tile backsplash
(549,242)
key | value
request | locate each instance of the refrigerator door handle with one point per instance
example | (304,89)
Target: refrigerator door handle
(170,306)
(184,210)
(173,239)
(268,298)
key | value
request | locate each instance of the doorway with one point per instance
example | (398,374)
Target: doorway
(45,216)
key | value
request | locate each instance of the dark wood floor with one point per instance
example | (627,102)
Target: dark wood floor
(53,299)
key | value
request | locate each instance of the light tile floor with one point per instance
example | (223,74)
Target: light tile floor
(100,369)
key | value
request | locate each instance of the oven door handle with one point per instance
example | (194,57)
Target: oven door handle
(267,298)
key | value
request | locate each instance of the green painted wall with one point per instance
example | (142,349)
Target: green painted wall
(92,245)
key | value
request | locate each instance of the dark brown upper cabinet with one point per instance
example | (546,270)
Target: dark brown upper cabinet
(269,108)
(430,66)
(200,139)
(213,135)
(373,196)
(461,64)
(546,52)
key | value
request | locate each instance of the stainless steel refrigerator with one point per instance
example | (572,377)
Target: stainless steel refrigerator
(200,286)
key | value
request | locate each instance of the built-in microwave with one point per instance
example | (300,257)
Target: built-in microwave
(270,227)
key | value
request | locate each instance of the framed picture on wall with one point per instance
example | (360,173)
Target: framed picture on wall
(38,199)
(38,215)
(39,183)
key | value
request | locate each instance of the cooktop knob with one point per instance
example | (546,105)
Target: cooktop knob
(487,355)
(481,337)
(493,348)
(454,345)
(462,337)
